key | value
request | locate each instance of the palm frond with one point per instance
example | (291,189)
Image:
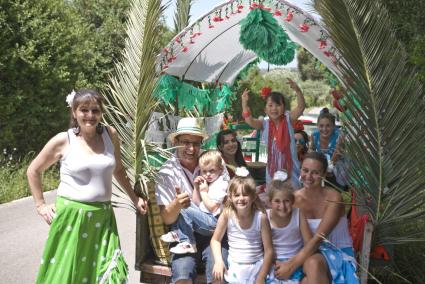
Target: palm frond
(382,117)
(182,15)
(130,103)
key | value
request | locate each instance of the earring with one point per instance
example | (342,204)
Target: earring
(99,129)
(76,130)
(323,182)
(299,179)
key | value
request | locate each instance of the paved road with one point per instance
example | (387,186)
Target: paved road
(23,233)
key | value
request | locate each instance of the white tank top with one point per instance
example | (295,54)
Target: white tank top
(85,177)
(245,246)
(287,241)
(339,236)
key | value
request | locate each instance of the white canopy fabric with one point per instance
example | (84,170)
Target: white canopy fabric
(208,50)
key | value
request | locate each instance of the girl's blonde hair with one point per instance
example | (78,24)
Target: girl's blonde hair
(211,157)
(281,186)
(248,186)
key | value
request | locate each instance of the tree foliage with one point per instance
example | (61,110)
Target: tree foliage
(43,53)
(409,18)
(50,47)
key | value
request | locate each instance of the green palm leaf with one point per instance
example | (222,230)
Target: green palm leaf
(384,106)
(182,15)
(129,103)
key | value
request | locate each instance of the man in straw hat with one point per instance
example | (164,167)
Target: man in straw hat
(173,192)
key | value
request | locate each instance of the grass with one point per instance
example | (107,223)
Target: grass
(13,179)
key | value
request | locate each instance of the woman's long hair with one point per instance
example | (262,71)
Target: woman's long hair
(240,161)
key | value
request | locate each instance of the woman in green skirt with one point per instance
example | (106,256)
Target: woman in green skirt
(83,244)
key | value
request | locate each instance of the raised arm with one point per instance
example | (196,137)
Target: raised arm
(219,267)
(299,109)
(121,176)
(246,112)
(266,236)
(50,154)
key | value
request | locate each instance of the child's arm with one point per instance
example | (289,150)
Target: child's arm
(219,189)
(196,197)
(266,236)
(209,204)
(305,229)
(219,267)
(246,113)
(299,109)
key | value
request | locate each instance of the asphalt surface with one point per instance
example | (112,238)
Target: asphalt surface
(23,233)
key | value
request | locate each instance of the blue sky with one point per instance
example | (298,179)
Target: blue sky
(200,7)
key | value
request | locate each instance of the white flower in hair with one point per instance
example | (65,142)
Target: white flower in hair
(70,98)
(280,175)
(241,172)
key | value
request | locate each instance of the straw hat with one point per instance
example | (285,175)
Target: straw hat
(189,126)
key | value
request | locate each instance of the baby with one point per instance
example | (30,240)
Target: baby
(210,190)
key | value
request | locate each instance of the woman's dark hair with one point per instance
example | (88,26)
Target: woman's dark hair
(324,113)
(305,137)
(318,156)
(85,96)
(220,142)
(277,98)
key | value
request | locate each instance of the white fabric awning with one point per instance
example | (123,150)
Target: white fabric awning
(209,50)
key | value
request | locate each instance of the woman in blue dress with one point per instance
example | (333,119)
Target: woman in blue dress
(328,257)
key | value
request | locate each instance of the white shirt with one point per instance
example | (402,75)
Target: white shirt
(217,191)
(245,245)
(287,241)
(171,175)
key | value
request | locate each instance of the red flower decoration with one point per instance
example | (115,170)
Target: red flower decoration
(336,94)
(289,17)
(185,49)
(298,125)
(165,67)
(336,104)
(327,53)
(210,26)
(217,19)
(277,13)
(178,40)
(265,91)
(304,28)
(240,7)
(322,43)
(166,50)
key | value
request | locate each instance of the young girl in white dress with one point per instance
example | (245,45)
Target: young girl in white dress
(248,232)
(289,227)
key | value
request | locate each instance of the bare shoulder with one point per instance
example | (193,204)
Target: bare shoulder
(113,133)
(59,141)
(333,195)
(299,198)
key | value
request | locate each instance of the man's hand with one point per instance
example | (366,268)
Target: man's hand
(183,199)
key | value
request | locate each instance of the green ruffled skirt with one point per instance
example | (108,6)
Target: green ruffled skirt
(83,245)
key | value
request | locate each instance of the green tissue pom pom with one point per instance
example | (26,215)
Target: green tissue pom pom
(261,33)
